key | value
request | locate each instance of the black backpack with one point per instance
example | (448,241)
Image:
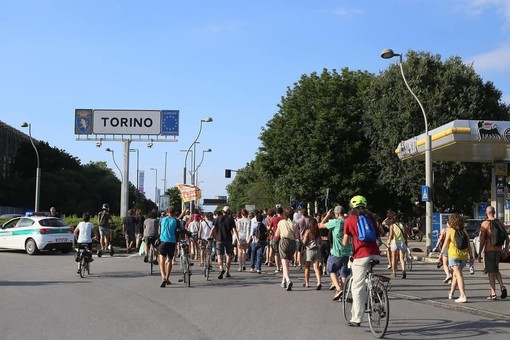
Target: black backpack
(461,239)
(261,232)
(498,233)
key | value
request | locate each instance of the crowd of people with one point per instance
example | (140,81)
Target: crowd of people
(281,238)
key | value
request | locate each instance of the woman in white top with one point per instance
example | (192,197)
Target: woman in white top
(83,234)
(287,233)
(243,230)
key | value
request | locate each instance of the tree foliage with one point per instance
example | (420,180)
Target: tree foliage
(340,130)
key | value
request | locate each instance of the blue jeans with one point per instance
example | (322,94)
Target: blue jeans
(257,254)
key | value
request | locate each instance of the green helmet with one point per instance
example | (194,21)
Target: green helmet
(358,201)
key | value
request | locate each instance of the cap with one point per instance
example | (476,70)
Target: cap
(226,208)
(339,209)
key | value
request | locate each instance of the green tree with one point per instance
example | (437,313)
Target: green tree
(448,90)
(315,140)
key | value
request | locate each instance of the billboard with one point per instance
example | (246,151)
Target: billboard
(126,122)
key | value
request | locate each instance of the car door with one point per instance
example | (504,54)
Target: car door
(23,230)
(6,237)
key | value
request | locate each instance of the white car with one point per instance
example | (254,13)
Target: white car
(36,233)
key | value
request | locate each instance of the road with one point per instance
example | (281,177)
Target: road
(42,297)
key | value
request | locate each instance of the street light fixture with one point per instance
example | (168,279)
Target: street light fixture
(137,172)
(388,54)
(155,186)
(38,169)
(114,162)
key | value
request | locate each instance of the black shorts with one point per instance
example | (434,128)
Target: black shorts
(224,248)
(167,249)
(492,261)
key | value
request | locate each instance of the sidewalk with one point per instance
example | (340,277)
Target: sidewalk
(425,284)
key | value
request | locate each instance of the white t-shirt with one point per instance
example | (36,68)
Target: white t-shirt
(243,228)
(206,229)
(85,235)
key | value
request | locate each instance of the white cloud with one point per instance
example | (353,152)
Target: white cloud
(495,60)
(347,11)
(475,7)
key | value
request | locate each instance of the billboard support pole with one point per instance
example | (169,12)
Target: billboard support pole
(124,191)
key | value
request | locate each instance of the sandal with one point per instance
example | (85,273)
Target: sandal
(503,292)
(492,297)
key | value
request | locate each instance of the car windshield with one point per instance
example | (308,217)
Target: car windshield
(52,222)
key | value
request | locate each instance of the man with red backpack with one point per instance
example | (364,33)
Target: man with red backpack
(360,230)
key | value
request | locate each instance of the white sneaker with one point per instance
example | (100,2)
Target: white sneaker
(462,299)
(252,270)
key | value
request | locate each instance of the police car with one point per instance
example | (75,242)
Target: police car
(36,233)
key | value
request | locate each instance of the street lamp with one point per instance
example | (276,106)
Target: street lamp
(137,171)
(38,170)
(388,54)
(195,173)
(114,162)
(206,120)
(155,186)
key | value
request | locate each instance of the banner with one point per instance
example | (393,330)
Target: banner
(189,192)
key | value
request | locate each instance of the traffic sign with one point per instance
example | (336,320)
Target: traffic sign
(425,193)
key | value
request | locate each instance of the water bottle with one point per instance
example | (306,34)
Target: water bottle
(471,270)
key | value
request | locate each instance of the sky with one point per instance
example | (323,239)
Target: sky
(230,60)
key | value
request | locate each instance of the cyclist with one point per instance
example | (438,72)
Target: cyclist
(150,233)
(83,233)
(363,252)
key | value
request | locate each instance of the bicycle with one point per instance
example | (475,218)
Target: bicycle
(186,263)
(208,255)
(151,256)
(85,257)
(377,305)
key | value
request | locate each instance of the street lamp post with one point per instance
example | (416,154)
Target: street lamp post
(195,173)
(114,162)
(38,169)
(155,186)
(388,54)
(206,120)
(137,172)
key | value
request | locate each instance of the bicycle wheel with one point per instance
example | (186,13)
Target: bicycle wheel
(208,268)
(188,276)
(88,267)
(151,260)
(409,259)
(83,267)
(379,310)
(347,301)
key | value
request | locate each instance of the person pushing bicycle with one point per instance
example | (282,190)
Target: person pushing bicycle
(364,249)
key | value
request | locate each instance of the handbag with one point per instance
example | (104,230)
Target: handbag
(311,245)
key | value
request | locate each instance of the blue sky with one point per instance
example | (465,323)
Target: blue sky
(230,60)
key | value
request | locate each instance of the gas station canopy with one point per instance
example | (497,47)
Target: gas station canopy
(462,140)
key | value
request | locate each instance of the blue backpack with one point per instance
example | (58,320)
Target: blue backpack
(366,229)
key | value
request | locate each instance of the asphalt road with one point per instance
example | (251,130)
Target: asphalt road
(42,297)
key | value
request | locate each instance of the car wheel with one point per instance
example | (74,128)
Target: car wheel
(31,247)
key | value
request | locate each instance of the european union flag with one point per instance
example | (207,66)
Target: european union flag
(170,119)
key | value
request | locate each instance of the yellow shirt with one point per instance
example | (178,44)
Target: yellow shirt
(398,232)
(453,251)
